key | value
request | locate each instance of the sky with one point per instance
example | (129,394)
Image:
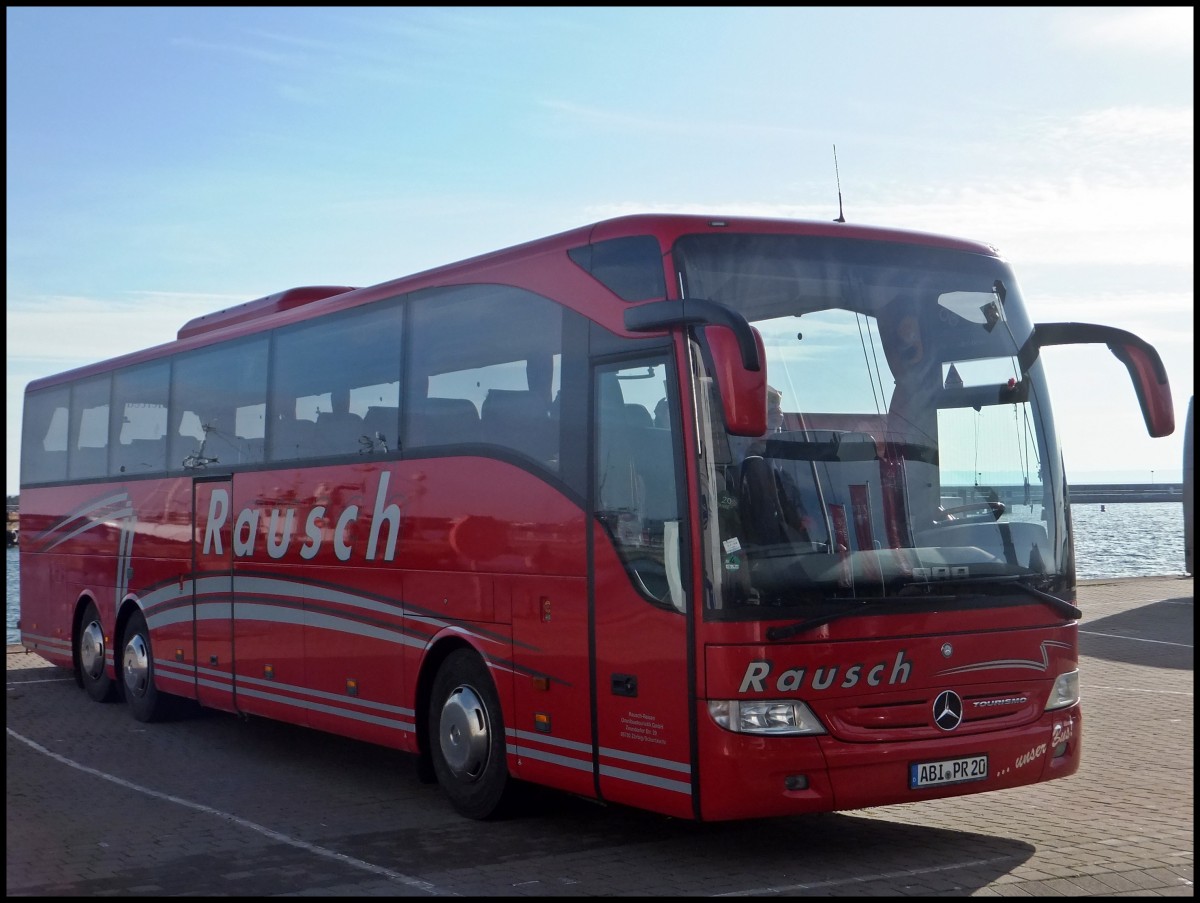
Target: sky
(166,162)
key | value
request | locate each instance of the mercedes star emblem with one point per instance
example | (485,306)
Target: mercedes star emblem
(947,710)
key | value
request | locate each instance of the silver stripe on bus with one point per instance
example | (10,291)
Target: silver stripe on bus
(1002,664)
(53,644)
(523,737)
(549,741)
(128,529)
(284,614)
(93,512)
(399,711)
(305,700)
(97,521)
(285,589)
(649,780)
(667,764)
(274,586)
(181,615)
(526,753)
(221,680)
(171,592)
(169,668)
(327,709)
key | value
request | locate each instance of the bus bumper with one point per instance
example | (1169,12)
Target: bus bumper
(754,777)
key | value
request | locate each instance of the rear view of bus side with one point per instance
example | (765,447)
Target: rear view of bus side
(717,518)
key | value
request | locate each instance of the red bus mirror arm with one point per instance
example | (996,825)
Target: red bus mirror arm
(737,355)
(1145,367)
(663,314)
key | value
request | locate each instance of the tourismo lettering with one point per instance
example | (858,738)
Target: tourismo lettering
(279,535)
(792,680)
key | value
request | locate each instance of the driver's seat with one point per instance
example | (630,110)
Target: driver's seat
(758,503)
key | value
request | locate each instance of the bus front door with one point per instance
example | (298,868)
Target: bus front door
(639,601)
(212,591)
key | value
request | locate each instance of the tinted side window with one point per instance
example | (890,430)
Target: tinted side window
(88,432)
(486,367)
(631,268)
(139,419)
(336,385)
(218,395)
(44,436)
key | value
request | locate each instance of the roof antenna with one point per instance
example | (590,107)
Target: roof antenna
(841,218)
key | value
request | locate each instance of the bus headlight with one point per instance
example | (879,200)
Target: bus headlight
(777,717)
(1065,691)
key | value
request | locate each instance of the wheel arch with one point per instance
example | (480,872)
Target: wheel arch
(435,654)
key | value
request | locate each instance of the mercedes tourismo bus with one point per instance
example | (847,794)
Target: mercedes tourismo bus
(718,518)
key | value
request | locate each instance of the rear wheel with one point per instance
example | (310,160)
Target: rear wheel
(466,737)
(90,653)
(137,671)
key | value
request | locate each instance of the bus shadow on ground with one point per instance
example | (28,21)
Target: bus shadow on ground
(366,802)
(1158,635)
(829,853)
(564,844)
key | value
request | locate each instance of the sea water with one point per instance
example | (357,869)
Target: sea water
(1133,539)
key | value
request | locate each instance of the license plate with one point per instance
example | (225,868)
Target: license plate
(948,771)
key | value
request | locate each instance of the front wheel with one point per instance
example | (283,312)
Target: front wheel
(466,737)
(137,671)
(91,649)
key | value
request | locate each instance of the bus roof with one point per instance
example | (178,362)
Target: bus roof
(303,301)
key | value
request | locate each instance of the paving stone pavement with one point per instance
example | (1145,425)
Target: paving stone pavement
(215,805)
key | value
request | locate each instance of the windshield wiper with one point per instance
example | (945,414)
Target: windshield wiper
(853,606)
(1059,606)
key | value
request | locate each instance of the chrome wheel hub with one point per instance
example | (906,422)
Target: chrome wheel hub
(464,735)
(91,650)
(135,665)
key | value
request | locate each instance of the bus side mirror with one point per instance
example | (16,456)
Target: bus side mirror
(743,391)
(1145,367)
(739,358)
(1153,393)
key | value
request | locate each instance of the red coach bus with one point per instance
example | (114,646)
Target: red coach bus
(718,518)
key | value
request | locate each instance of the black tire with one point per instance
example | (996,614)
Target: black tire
(466,738)
(90,653)
(137,672)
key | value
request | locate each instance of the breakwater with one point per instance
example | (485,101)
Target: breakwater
(1112,493)
(1082,494)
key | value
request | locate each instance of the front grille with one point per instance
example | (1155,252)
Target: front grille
(909,715)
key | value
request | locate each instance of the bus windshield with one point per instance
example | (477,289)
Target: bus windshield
(905,448)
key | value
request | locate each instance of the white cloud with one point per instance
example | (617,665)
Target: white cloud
(1134,125)
(1151,29)
(1062,222)
(119,326)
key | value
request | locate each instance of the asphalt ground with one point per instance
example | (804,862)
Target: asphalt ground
(215,805)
